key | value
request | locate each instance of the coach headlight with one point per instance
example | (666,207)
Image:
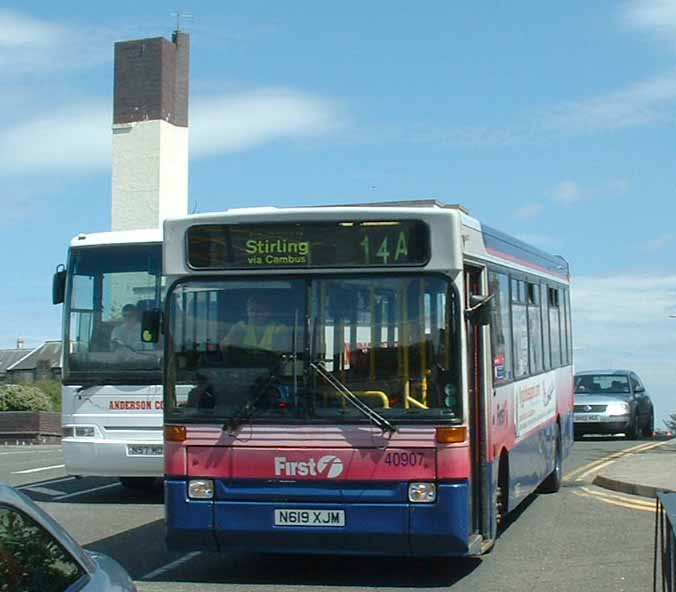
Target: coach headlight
(85,432)
(422,493)
(201,489)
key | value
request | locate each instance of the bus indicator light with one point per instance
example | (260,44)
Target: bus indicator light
(451,435)
(175,433)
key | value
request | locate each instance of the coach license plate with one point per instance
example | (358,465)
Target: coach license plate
(309,517)
(145,450)
(586,418)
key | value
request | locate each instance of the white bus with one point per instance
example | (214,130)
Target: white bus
(112,398)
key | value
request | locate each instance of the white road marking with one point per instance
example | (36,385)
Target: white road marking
(53,467)
(46,482)
(44,490)
(101,488)
(169,566)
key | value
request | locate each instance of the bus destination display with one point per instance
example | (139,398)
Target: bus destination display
(310,244)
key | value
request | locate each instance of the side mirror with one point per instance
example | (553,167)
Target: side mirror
(639,389)
(151,323)
(59,285)
(480,309)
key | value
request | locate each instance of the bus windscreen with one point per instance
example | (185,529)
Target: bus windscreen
(370,243)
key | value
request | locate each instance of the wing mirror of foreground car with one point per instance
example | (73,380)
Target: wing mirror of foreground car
(639,389)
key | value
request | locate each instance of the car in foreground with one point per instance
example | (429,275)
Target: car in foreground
(610,402)
(38,554)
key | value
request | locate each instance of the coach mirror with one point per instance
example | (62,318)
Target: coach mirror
(150,326)
(59,285)
(479,311)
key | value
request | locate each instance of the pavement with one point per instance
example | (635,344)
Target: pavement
(642,470)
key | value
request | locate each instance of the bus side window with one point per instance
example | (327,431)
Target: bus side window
(520,328)
(501,334)
(554,326)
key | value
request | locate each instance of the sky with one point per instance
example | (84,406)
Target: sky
(554,122)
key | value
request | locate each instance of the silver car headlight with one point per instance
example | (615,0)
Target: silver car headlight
(618,408)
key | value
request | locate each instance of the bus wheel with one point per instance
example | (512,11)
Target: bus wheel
(138,483)
(553,481)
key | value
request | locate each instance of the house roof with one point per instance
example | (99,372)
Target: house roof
(9,357)
(49,351)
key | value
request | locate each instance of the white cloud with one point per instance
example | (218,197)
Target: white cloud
(31,46)
(658,243)
(19,31)
(648,102)
(642,103)
(654,16)
(528,212)
(233,123)
(566,193)
(622,321)
(78,138)
(75,138)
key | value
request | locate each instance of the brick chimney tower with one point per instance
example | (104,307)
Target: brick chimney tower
(150,131)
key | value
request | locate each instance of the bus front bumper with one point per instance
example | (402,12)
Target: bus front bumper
(96,457)
(399,527)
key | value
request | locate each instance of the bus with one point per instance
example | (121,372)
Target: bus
(111,394)
(409,386)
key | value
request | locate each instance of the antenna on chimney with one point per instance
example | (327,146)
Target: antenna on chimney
(178,14)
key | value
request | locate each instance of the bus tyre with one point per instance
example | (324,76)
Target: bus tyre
(138,483)
(553,481)
(649,428)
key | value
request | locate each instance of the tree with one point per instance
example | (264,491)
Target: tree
(671,422)
(22,397)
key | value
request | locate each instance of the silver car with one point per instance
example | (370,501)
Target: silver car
(612,401)
(37,554)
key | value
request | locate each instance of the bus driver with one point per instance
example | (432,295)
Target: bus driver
(260,331)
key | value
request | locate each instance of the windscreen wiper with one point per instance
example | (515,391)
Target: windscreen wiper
(375,417)
(248,409)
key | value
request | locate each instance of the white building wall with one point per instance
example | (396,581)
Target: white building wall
(150,174)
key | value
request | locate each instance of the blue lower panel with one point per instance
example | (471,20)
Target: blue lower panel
(396,528)
(189,523)
(442,528)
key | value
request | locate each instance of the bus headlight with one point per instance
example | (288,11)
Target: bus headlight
(201,489)
(422,493)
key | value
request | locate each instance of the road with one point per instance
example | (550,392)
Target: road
(580,538)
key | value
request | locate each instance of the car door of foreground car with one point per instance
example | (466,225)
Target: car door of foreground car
(32,559)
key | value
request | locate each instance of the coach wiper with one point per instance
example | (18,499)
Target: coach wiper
(375,417)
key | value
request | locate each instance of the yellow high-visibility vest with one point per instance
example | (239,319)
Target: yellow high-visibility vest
(266,339)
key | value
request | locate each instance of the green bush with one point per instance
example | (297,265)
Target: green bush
(22,397)
(52,388)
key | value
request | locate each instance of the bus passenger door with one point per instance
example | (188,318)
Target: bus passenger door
(477,388)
